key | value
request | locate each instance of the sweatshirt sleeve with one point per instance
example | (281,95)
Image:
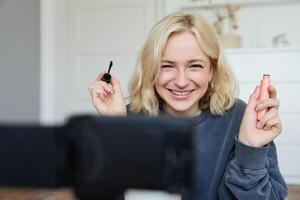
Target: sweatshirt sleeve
(253,173)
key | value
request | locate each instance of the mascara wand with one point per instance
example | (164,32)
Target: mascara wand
(107,77)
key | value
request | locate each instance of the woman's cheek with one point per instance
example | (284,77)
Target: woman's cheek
(165,77)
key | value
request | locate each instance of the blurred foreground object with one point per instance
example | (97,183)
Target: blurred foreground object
(99,156)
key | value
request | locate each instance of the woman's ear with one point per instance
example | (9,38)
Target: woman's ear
(210,75)
(211,69)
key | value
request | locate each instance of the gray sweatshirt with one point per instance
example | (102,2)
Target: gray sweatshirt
(228,169)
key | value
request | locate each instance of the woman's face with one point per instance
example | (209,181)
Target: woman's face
(183,76)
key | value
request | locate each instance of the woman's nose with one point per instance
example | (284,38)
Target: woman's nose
(181,79)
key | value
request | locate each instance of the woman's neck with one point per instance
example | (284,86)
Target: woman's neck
(181,114)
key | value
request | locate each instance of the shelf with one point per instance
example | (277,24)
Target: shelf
(204,5)
(263,50)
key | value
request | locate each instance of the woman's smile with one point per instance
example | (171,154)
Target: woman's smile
(181,94)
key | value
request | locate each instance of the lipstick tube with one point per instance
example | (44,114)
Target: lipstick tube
(263,94)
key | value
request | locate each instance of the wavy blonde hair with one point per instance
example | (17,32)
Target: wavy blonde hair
(220,94)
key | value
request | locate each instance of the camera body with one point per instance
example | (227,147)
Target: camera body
(100,156)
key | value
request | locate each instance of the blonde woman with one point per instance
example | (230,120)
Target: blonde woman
(182,72)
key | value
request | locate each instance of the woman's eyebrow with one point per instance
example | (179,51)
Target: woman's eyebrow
(168,61)
(188,62)
(196,60)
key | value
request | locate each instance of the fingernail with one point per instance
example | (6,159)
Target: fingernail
(259,106)
(111,90)
(258,125)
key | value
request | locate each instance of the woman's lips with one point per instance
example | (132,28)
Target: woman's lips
(181,94)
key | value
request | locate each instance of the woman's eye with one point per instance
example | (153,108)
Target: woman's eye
(166,66)
(196,66)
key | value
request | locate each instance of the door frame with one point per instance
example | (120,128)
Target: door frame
(47,61)
(53,48)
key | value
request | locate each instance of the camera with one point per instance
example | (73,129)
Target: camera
(100,156)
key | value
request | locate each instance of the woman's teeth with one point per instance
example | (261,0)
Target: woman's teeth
(180,93)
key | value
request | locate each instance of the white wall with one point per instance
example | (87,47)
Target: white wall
(19,60)
(258,23)
(283,65)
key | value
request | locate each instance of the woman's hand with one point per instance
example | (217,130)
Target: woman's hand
(107,98)
(259,133)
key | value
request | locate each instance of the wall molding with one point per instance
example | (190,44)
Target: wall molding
(191,5)
(47,61)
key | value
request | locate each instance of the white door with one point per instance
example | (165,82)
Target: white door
(93,32)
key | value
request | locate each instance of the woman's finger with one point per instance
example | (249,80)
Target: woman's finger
(116,86)
(268,103)
(274,125)
(272,91)
(254,97)
(100,85)
(271,122)
(99,77)
(103,96)
(99,96)
(267,116)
